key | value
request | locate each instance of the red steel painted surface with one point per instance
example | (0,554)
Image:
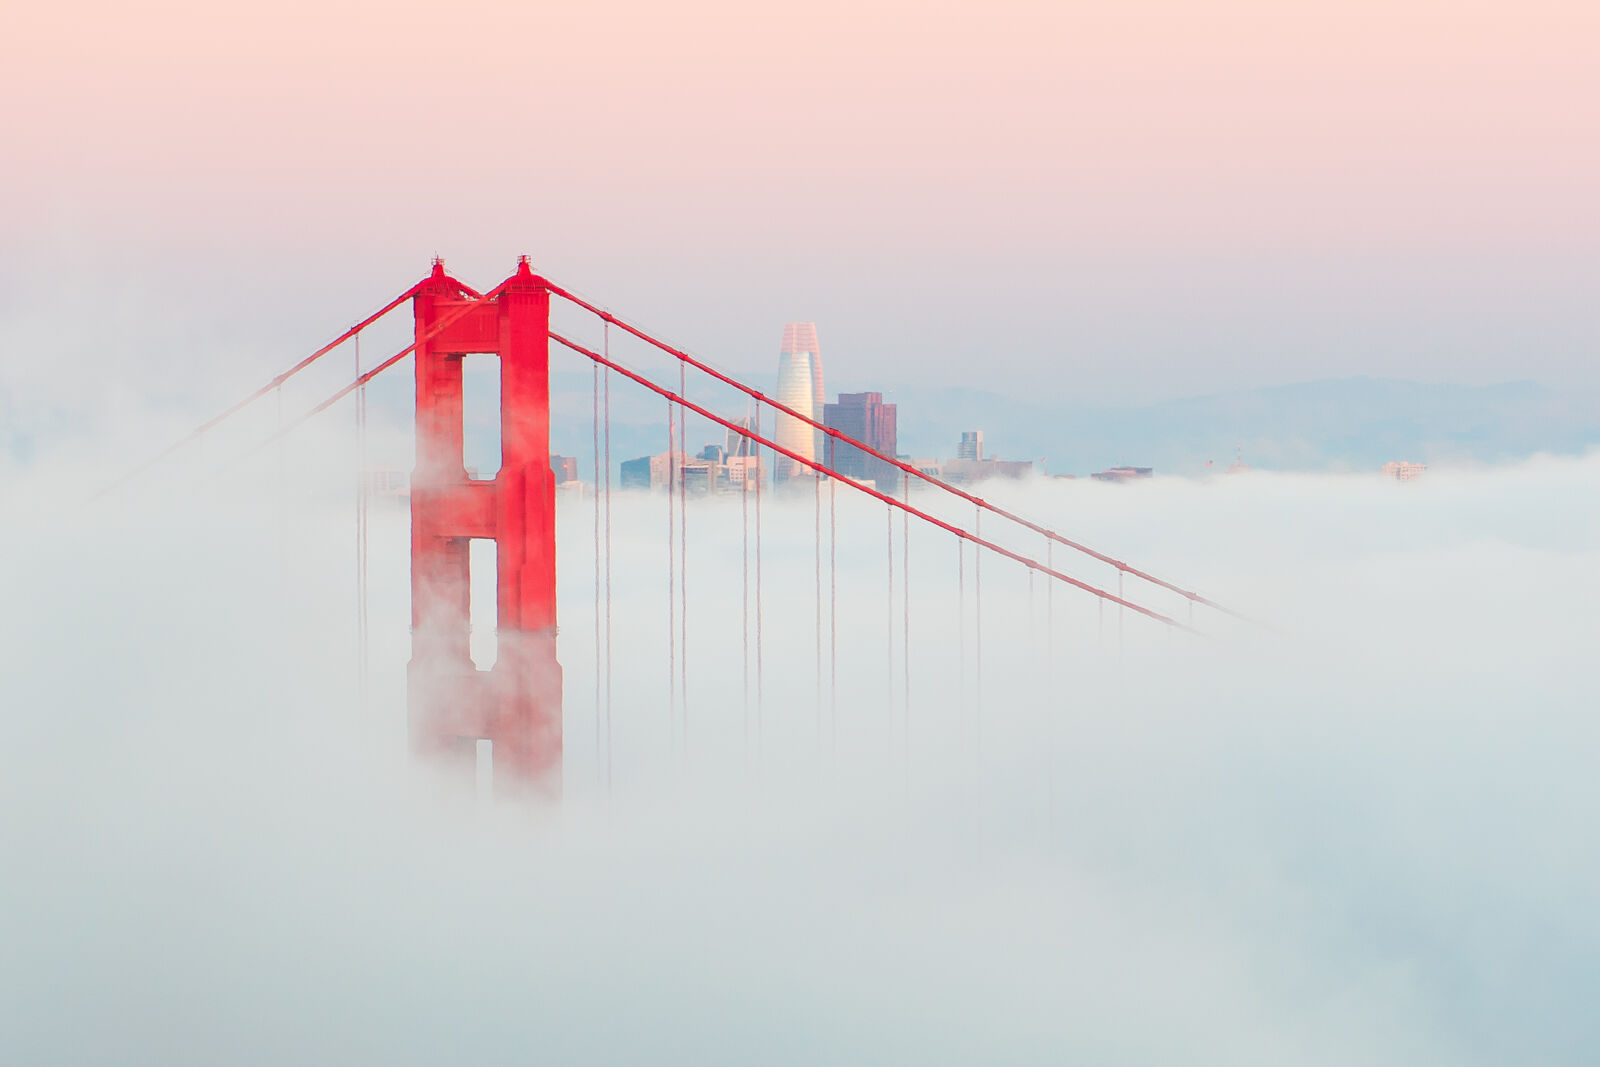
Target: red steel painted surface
(516,704)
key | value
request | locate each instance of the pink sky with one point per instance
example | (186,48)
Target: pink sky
(1366,152)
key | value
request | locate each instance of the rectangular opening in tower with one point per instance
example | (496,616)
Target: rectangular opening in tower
(483,614)
(480,415)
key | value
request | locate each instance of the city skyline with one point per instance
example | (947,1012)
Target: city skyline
(1355,424)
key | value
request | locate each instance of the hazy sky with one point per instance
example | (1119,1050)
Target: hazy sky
(1126,201)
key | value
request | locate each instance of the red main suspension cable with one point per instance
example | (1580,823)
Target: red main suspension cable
(965,535)
(443,322)
(909,469)
(276,382)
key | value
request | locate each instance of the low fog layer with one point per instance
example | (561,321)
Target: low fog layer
(1362,834)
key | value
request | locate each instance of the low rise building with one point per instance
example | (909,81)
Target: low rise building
(1123,474)
(969,471)
(1403,471)
(712,471)
(565,468)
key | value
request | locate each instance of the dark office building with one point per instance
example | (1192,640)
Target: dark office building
(636,473)
(565,468)
(869,420)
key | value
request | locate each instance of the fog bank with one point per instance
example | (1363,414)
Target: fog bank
(1359,835)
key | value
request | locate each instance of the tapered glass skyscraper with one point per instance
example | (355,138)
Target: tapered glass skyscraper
(800,388)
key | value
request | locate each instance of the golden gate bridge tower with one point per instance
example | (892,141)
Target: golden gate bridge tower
(516,704)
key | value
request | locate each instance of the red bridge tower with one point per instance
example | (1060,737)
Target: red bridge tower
(516,705)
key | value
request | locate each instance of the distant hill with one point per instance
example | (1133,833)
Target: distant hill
(1347,423)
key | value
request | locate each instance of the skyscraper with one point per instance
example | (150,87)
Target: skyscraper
(869,420)
(971,446)
(799,388)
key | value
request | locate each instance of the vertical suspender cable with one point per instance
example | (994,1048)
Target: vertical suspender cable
(817,493)
(683,561)
(360,682)
(760,687)
(606,402)
(362,660)
(1050,617)
(905,622)
(1050,689)
(961,629)
(977,628)
(833,615)
(672,588)
(889,628)
(283,477)
(1032,632)
(366,552)
(744,581)
(599,724)
(1119,615)
(1032,636)
(282,526)
(283,512)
